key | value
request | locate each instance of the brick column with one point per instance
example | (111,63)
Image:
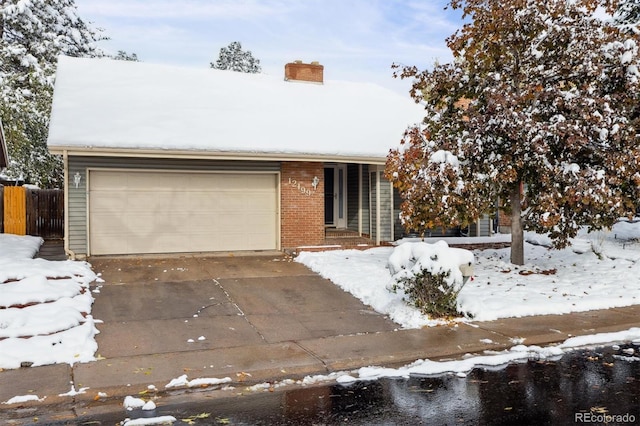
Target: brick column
(504,222)
(302,207)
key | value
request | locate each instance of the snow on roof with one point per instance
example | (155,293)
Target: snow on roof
(103,103)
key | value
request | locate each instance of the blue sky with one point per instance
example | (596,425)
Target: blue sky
(353,39)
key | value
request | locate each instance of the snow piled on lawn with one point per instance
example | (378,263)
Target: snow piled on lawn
(45,307)
(598,271)
(18,246)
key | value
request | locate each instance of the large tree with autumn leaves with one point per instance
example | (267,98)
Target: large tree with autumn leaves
(539,109)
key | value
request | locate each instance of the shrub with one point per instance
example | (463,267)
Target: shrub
(430,293)
(430,276)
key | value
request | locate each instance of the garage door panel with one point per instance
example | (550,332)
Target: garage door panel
(109,225)
(160,244)
(262,202)
(107,182)
(201,201)
(226,224)
(237,183)
(108,243)
(103,224)
(140,201)
(260,184)
(260,221)
(170,222)
(108,199)
(153,181)
(173,224)
(232,204)
(158,212)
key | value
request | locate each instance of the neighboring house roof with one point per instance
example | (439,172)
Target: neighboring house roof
(103,105)
(4,155)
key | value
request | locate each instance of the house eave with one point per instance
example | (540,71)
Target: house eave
(215,155)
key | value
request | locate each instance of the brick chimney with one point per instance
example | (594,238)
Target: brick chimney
(299,71)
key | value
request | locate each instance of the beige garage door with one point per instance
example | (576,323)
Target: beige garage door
(165,212)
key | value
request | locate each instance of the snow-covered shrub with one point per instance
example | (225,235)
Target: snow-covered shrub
(597,239)
(430,276)
(430,294)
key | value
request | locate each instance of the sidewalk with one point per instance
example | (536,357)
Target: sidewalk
(251,319)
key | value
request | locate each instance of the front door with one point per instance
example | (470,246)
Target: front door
(335,195)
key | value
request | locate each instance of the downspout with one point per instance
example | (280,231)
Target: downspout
(393,220)
(65,159)
(371,206)
(378,213)
(360,200)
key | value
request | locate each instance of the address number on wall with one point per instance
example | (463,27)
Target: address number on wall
(297,185)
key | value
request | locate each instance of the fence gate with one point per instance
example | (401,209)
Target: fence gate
(15,207)
(38,212)
(45,213)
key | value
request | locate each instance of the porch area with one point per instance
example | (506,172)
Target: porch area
(338,239)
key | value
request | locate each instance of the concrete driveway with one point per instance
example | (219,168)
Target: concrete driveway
(251,318)
(189,303)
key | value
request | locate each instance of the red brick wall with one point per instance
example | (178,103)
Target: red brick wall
(302,207)
(504,219)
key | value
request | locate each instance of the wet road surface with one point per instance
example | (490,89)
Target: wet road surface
(594,386)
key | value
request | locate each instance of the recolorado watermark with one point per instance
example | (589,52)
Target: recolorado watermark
(604,418)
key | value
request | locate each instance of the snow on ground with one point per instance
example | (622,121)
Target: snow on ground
(184,381)
(599,271)
(518,353)
(425,367)
(161,420)
(45,307)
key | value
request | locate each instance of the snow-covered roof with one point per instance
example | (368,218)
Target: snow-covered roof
(103,104)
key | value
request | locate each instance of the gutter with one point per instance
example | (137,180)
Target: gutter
(65,159)
(217,155)
(378,207)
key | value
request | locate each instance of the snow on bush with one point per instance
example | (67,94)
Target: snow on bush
(431,275)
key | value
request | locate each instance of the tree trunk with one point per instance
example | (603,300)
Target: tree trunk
(517,234)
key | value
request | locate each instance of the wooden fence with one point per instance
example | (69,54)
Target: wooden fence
(25,211)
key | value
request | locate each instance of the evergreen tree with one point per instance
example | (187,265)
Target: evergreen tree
(32,35)
(539,109)
(627,16)
(234,58)
(124,56)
